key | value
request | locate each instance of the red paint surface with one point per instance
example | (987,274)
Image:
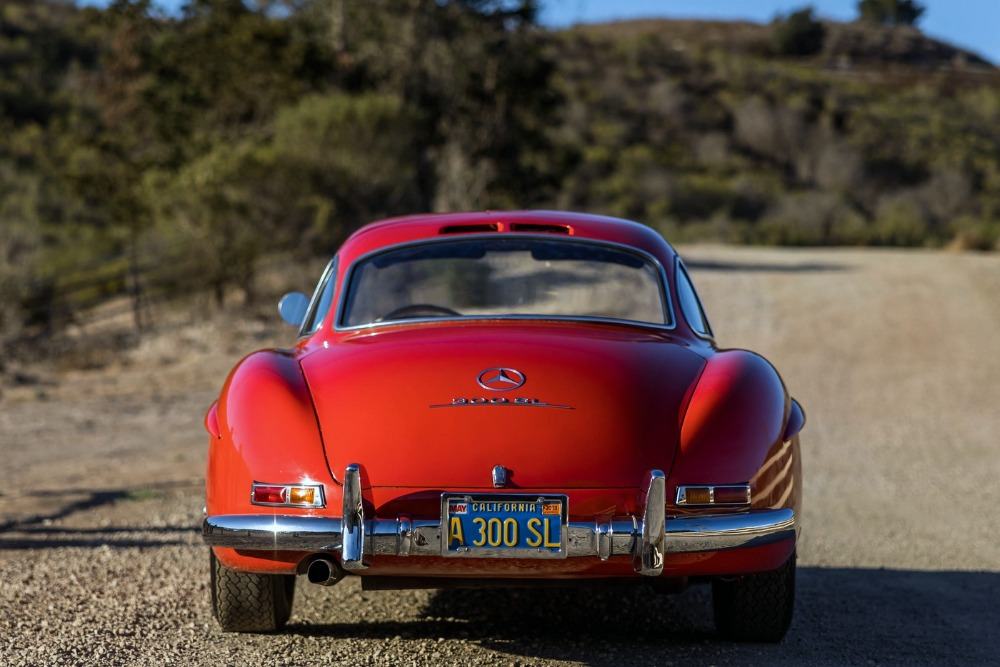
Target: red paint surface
(620,393)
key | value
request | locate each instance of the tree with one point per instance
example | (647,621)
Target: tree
(798,35)
(478,76)
(890,12)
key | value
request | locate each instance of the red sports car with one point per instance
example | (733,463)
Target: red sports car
(508,399)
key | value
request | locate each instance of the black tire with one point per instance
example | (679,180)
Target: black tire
(757,607)
(250,602)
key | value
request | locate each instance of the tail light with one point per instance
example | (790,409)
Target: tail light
(729,495)
(287,495)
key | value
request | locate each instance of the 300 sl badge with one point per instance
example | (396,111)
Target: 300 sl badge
(500,400)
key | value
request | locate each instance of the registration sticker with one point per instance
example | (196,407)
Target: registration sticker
(504,526)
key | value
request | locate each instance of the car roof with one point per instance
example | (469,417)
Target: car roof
(556,224)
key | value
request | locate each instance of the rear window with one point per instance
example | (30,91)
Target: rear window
(505,277)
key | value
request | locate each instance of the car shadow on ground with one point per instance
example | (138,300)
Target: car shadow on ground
(843,617)
(58,513)
(764,267)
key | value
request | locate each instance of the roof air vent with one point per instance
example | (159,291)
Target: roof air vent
(542,229)
(470,229)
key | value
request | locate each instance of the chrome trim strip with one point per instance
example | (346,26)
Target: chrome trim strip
(679,265)
(665,283)
(605,537)
(353,548)
(648,559)
(262,532)
(329,273)
(618,536)
(526,403)
(404,534)
(729,531)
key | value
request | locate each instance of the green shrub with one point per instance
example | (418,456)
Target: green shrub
(899,221)
(974,233)
(798,35)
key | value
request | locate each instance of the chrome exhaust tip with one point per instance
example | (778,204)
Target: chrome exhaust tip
(324,572)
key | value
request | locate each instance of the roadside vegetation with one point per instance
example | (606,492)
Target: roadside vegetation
(145,155)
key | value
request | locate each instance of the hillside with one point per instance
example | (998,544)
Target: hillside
(884,136)
(846,46)
(149,156)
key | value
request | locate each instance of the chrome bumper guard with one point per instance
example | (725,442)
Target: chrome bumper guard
(646,538)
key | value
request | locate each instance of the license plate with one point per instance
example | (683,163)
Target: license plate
(504,525)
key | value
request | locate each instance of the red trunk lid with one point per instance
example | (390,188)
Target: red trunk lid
(599,406)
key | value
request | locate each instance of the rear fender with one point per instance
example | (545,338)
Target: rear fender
(739,427)
(264,429)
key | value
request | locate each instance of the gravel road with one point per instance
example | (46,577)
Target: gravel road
(892,353)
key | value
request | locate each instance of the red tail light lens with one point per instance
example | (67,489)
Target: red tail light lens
(732,495)
(288,495)
(268,494)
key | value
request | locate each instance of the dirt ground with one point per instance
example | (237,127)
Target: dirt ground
(893,354)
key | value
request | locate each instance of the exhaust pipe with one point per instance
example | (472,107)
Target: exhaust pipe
(324,572)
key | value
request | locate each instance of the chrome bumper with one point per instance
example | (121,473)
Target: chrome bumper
(646,538)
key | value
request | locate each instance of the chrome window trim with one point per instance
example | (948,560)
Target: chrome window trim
(329,273)
(664,285)
(680,267)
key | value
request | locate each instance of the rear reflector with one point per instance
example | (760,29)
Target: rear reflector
(287,495)
(730,495)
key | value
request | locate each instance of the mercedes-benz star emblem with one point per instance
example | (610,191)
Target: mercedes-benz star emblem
(500,379)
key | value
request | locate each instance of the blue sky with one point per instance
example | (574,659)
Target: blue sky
(970,24)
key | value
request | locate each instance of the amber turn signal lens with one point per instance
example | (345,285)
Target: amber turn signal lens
(697,495)
(302,495)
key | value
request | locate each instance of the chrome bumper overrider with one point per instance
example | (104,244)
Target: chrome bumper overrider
(647,538)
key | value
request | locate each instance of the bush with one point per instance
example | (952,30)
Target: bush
(18,250)
(793,220)
(900,221)
(973,233)
(798,35)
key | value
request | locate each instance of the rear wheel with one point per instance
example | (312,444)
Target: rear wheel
(250,602)
(757,607)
